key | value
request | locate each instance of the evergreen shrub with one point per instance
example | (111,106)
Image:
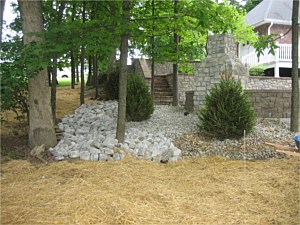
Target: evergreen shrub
(139,102)
(111,86)
(227,112)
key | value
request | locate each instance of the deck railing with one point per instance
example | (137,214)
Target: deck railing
(282,54)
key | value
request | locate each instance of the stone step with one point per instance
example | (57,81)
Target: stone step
(163,93)
(161,84)
(162,89)
(163,102)
(163,98)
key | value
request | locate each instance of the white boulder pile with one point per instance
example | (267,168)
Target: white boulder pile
(89,134)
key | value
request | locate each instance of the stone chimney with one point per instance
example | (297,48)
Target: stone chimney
(221,60)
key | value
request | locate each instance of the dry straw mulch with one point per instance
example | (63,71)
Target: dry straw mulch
(209,190)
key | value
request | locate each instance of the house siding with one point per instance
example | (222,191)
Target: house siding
(262,30)
(282,29)
(276,29)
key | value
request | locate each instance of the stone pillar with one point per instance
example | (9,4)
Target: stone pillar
(189,101)
(221,60)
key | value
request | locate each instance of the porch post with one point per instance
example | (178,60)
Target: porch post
(276,71)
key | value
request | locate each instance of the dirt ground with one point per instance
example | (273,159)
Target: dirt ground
(211,190)
(14,133)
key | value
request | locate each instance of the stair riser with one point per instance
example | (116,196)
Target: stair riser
(162,92)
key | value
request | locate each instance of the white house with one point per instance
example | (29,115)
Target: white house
(271,17)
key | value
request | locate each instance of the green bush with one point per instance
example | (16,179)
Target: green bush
(14,91)
(257,71)
(139,102)
(111,86)
(227,112)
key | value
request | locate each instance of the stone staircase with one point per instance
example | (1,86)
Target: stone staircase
(162,91)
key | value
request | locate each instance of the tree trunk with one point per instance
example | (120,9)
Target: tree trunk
(95,69)
(175,64)
(77,68)
(82,75)
(89,81)
(73,72)
(49,71)
(152,51)
(2,5)
(111,65)
(73,62)
(53,88)
(295,75)
(120,135)
(60,14)
(41,126)
(82,61)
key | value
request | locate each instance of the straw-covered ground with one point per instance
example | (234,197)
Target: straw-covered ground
(211,190)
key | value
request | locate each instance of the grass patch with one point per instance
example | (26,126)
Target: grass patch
(64,82)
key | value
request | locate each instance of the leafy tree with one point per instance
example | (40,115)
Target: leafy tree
(250,4)
(13,79)
(2,4)
(56,18)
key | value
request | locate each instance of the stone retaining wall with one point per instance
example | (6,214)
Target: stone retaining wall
(161,68)
(269,83)
(271,103)
(186,82)
(138,70)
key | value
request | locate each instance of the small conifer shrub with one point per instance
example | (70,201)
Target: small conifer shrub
(227,112)
(111,86)
(139,102)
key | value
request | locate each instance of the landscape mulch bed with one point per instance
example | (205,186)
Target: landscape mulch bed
(211,190)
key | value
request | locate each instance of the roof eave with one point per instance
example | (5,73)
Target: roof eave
(281,22)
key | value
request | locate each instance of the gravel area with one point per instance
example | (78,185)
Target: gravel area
(170,121)
(251,147)
(182,129)
(168,135)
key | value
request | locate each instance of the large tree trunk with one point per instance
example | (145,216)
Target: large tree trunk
(120,135)
(175,64)
(41,126)
(295,75)
(2,4)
